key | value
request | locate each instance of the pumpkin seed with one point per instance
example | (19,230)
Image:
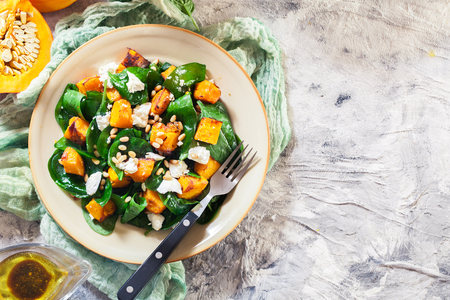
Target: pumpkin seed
(23,17)
(7,55)
(15,57)
(31,24)
(7,71)
(16,72)
(16,65)
(7,43)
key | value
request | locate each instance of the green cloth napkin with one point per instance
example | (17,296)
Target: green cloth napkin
(249,41)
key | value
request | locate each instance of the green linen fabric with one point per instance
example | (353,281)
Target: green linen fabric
(246,39)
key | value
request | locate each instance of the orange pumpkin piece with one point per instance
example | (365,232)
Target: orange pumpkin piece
(100,213)
(169,137)
(207,91)
(208,131)
(113,94)
(16,77)
(90,84)
(191,187)
(72,162)
(167,72)
(121,114)
(51,5)
(145,168)
(76,131)
(207,170)
(116,183)
(120,68)
(154,202)
(134,59)
(161,101)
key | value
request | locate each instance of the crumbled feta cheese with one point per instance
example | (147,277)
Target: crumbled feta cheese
(181,82)
(199,154)
(103,121)
(134,84)
(180,143)
(128,166)
(171,97)
(103,73)
(156,220)
(93,182)
(108,140)
(109,106)
(179,169)
(91,216)
(154,156)
(169,186)
(140,114)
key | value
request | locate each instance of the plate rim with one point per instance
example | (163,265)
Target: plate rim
(34,172)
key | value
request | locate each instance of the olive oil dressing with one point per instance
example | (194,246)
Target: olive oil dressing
(29,276)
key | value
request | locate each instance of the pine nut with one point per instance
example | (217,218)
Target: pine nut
(60,161)
(159,172)
(122,158)
(118,154)
(96,153)
(105,174)
(95,161)
(127,199)
(156,145)
(181,137)
(173,118)
(114,160)
(156,118)
(174,161)
(151,122)
(124,139)
(153,93)
(86,177)
(166,163)
(122,147)
(158,88)
(113,136)
(113,131)
(159,141)
(180,126)
(132,154)
(147,128)
(103,182)
(143,187)
(159,133)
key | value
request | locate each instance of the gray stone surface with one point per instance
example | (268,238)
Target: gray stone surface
(357,206)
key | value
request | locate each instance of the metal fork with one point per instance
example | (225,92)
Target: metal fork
(222,182)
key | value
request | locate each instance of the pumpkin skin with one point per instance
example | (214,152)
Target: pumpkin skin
(51,5)
(18,83)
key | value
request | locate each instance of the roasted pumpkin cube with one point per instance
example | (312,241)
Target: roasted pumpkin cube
(116,182)
(154,202)
(191,187)
(100,213)
(167,72)
(121,114)
(207,91)
(90,84)
(169,137)
(72,162)
(207,170)
(120,68)
(76,131)
(161,101)
(208,131)
(113,94)
(134,59)
(145,168)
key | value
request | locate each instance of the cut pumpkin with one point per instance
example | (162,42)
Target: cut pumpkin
(51,5)
(18,65)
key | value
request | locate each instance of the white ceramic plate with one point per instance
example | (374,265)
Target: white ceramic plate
(170,44)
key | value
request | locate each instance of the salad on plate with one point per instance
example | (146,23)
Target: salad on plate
(140,142)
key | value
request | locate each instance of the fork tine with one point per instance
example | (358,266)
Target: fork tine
(222,167)
(243,170)
(231,169)
(238,166)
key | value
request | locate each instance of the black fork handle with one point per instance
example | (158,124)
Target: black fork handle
(145,272)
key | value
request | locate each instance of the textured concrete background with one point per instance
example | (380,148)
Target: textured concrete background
(357,206)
